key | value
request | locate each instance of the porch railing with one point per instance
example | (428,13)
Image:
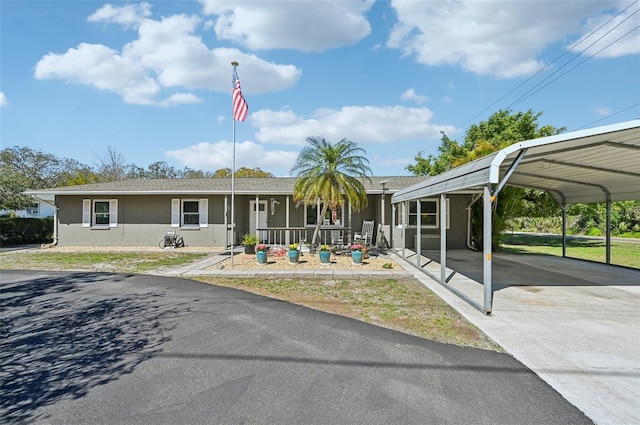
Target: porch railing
(288,235)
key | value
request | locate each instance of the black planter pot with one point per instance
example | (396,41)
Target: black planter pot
(249,249)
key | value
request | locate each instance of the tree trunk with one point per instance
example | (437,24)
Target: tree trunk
(316,232)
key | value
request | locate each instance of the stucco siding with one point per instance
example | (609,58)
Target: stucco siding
(456,233)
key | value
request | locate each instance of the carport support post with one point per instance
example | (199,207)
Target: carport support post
(564,228)
(392,241)
(608,234)
(418,235)
(486,243)
(404,228)
(443,238)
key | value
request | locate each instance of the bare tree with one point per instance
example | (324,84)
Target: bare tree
(112,166)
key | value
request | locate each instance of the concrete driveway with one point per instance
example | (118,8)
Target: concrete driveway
(94,348)
(573,322)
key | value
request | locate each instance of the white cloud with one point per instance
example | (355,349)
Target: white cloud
(214,156)
(602,111)
(102,68)
(167,55)
(361,124)
(618,37)
(129,15)
(3,99)
(180,98)
(498,38)
(308,26)
(411,94)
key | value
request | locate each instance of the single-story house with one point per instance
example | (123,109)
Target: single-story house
(41,207)
(140,212)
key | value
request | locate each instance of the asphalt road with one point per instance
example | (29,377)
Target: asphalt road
(96,348)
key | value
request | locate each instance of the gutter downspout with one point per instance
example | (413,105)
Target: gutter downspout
(54,243)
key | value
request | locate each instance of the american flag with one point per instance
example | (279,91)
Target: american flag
(240,107)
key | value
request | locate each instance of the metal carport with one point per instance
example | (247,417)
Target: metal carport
(595,165)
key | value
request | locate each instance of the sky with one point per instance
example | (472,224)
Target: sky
(152,80)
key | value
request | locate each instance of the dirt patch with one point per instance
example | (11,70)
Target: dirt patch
(308,261)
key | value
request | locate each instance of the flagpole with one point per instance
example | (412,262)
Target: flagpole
(233,202)
(233,182)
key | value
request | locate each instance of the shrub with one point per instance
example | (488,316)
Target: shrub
(19,231)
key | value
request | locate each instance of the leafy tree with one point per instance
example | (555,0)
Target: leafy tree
(160,170)
(22,168)
(331,173)
(500,130)
(189,173)
(225,173)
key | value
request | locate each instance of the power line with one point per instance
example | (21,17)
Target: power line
(609,116)
(535,88)
(557,59)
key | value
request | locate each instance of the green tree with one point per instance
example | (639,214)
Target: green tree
(500,130)
(225,173)
(22,168)
(331,173)
(189,173)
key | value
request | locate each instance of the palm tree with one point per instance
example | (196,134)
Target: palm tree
(331,173)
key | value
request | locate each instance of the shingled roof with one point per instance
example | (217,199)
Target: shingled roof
(243,186)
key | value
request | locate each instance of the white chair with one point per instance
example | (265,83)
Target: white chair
(337,240)
(366,234)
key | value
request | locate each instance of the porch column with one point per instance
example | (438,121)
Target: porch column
(257,214)
(287,236)
(226,221)
(443,238)
(486,243)
(350,226)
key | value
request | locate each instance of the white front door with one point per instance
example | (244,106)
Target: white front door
(261,217)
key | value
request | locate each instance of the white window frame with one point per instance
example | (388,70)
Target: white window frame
(422,212)
(89,213)
(33,209)
(318,207)
(178,213)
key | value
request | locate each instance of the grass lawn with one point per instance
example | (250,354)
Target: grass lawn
(403,304)
(124,262)
(622,253)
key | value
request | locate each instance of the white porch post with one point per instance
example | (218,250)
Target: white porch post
(486,243)
(287,218)
(257,214)
(443,238)
(350,225)
(226,221)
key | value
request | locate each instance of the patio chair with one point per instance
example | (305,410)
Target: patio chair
(365,236)
(337,240)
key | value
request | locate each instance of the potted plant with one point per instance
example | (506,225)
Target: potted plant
(262,252)
(250,240)
(325,254)
(294,253)
(356,253)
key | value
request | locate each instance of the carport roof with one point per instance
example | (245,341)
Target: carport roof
(581,166)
